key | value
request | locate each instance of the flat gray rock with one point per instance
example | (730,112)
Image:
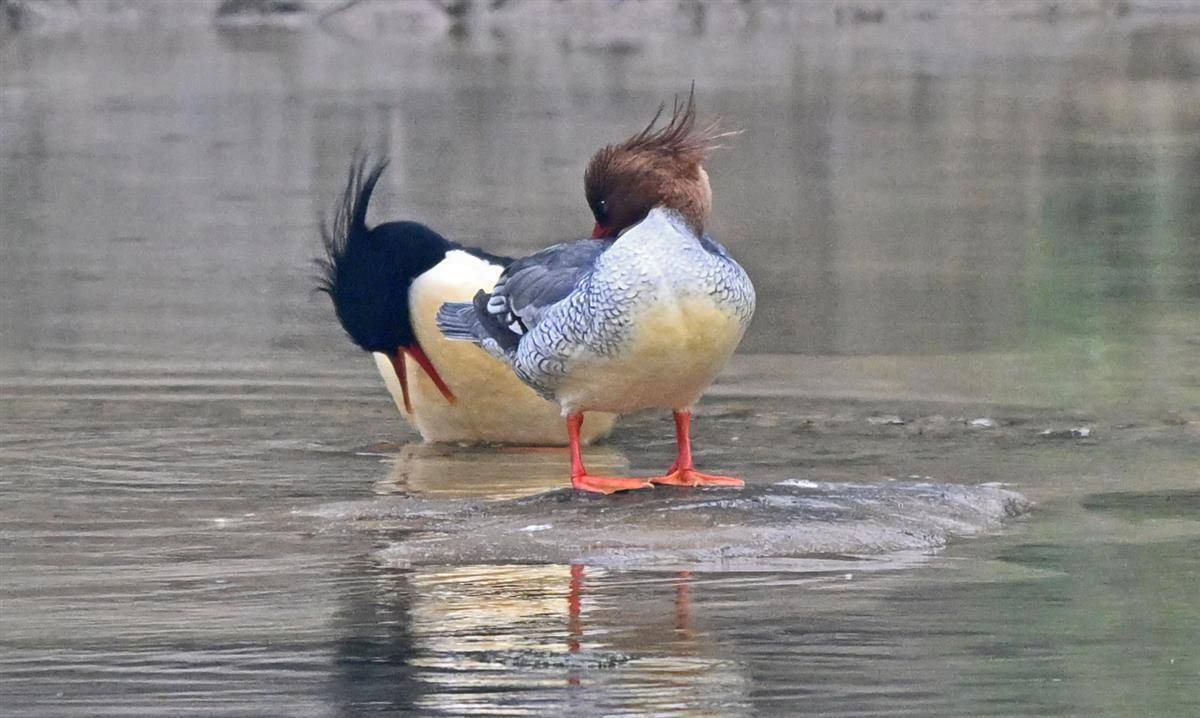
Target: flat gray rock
(798,520)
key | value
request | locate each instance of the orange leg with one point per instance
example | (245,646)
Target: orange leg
(574,608)
(683,471)
(575,617)
(581,479)
(683,604)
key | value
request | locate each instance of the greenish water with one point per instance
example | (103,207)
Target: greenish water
(946,221)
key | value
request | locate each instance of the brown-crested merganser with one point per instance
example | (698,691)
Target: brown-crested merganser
(634,319)
(387,283)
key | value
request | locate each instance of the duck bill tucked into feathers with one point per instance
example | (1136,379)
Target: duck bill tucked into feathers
(368,279)
(387,283)
(643,321)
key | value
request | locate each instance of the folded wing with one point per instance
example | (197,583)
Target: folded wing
(527,288)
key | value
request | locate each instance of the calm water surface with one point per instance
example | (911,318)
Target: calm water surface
(946,221)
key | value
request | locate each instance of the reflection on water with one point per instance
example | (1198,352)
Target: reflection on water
(946,220)
(165,555)
(496,638)
(476,640)
(441,471)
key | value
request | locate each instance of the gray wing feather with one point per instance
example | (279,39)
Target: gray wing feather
(714,247)
(526,289)
(533,284)
(458,322)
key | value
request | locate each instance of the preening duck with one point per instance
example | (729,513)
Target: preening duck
(635,319)
(387,283)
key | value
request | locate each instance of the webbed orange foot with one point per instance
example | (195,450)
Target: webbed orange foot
(691,477)
(607,484)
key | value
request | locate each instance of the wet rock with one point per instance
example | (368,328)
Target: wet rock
(549,659)
(792,520)
(1079,432)
(934,426)
(1164,52)
(259,7)
(859,15)
(271,13)
(1179,504)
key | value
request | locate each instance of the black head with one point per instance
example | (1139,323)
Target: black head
(367,272)
(369,283)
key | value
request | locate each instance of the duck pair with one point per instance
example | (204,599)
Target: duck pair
(641,315)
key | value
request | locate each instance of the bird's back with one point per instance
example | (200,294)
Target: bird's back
(650,326)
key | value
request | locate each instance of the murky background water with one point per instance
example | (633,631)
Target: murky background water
(949,217)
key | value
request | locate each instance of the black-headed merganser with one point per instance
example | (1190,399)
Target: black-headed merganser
(643,320)
(387,283)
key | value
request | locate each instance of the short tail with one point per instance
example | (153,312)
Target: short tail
(459,322)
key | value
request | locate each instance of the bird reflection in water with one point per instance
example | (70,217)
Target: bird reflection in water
(467,621)
(448,471)
(575,616)
(575,620)
(478,638)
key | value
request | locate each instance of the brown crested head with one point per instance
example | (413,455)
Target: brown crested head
(657,166)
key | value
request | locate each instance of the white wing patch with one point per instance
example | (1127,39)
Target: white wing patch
(499,307)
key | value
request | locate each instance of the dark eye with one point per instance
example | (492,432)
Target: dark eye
(600,209)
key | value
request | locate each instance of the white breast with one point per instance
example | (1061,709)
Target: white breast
(665,316)
(493,405)
(676,350)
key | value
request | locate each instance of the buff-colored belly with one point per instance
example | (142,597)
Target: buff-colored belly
(675,353)
(492,405)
